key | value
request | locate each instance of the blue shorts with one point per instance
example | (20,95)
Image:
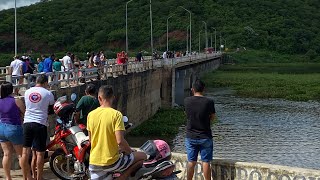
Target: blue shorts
(11,133)
(204,146)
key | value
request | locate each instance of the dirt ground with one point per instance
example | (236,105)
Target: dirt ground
(17,174)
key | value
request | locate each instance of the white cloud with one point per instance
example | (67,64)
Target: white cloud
(7,4)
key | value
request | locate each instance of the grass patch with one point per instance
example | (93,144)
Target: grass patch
(165,123)
(265,56)
(291,81)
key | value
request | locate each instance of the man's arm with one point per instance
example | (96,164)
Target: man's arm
(213,111)
(89,134)
(213,117)
(78,110)
(21,69)
(123,144)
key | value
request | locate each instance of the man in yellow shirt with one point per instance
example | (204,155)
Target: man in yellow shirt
(110,152)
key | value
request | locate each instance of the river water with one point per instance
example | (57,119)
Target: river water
(272,131)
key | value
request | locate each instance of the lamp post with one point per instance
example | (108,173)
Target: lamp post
(188,39)
(15,29)
(190,26)
(205,25)
(215,39)
(220,42)
(200,41)
(168,32)
(151,28)
(127,46)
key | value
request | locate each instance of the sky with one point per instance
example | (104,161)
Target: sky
(7,4)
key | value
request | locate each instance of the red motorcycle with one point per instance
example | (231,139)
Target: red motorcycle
(71,159)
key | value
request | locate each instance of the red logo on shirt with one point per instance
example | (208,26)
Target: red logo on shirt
(35,97)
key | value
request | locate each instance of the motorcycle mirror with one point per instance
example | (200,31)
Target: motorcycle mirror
(59,121)
(125,119)
(73,96)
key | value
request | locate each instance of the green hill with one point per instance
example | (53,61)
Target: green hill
(285,26)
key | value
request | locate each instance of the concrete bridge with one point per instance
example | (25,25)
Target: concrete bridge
(142,88)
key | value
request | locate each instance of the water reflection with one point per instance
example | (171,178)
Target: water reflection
(268,131)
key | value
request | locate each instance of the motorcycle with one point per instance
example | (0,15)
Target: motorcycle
(71,160)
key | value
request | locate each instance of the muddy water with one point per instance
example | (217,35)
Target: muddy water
(269,131)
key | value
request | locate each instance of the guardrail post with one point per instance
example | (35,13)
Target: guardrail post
(68,78)
(105,72)
(9,78)
(8,69)
(26,80)
(76,76)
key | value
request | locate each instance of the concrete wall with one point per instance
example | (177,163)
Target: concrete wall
(233,170)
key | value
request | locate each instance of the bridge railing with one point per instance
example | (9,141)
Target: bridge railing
(110,70)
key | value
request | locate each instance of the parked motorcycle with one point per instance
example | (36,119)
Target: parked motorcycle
(71,160)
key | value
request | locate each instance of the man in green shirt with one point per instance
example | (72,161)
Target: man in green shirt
(56,65)
(86,104)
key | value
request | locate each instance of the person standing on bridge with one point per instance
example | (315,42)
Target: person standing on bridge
(37,100)
(47,64)
(67,63)
(86,104)
(139,56)
(11,117)
(200,113)
(17,71)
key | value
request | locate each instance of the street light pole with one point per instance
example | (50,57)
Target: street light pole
(215,39)
(190,26)
(15,29)
(187,39)
(127,46)
(220,42)
(168,32)
(151,28)
(205,24)
(211,41)
(200,41)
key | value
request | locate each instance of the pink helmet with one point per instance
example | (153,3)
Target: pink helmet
(157,150)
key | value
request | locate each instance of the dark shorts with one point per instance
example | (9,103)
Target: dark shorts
(35,136)
(11,133)
(204,146)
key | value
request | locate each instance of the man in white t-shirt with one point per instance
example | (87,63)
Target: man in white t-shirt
(17,70)
(67,63)
(164,55)
(16,66)
(37,99)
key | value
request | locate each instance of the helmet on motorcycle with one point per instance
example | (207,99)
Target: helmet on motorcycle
(157,150)
(63,109)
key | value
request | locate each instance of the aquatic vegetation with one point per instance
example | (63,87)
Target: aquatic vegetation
(165,123)
(291,81)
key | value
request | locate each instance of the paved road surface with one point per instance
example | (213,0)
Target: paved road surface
(17,174)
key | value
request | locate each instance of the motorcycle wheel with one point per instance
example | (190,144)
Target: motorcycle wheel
(58,165)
